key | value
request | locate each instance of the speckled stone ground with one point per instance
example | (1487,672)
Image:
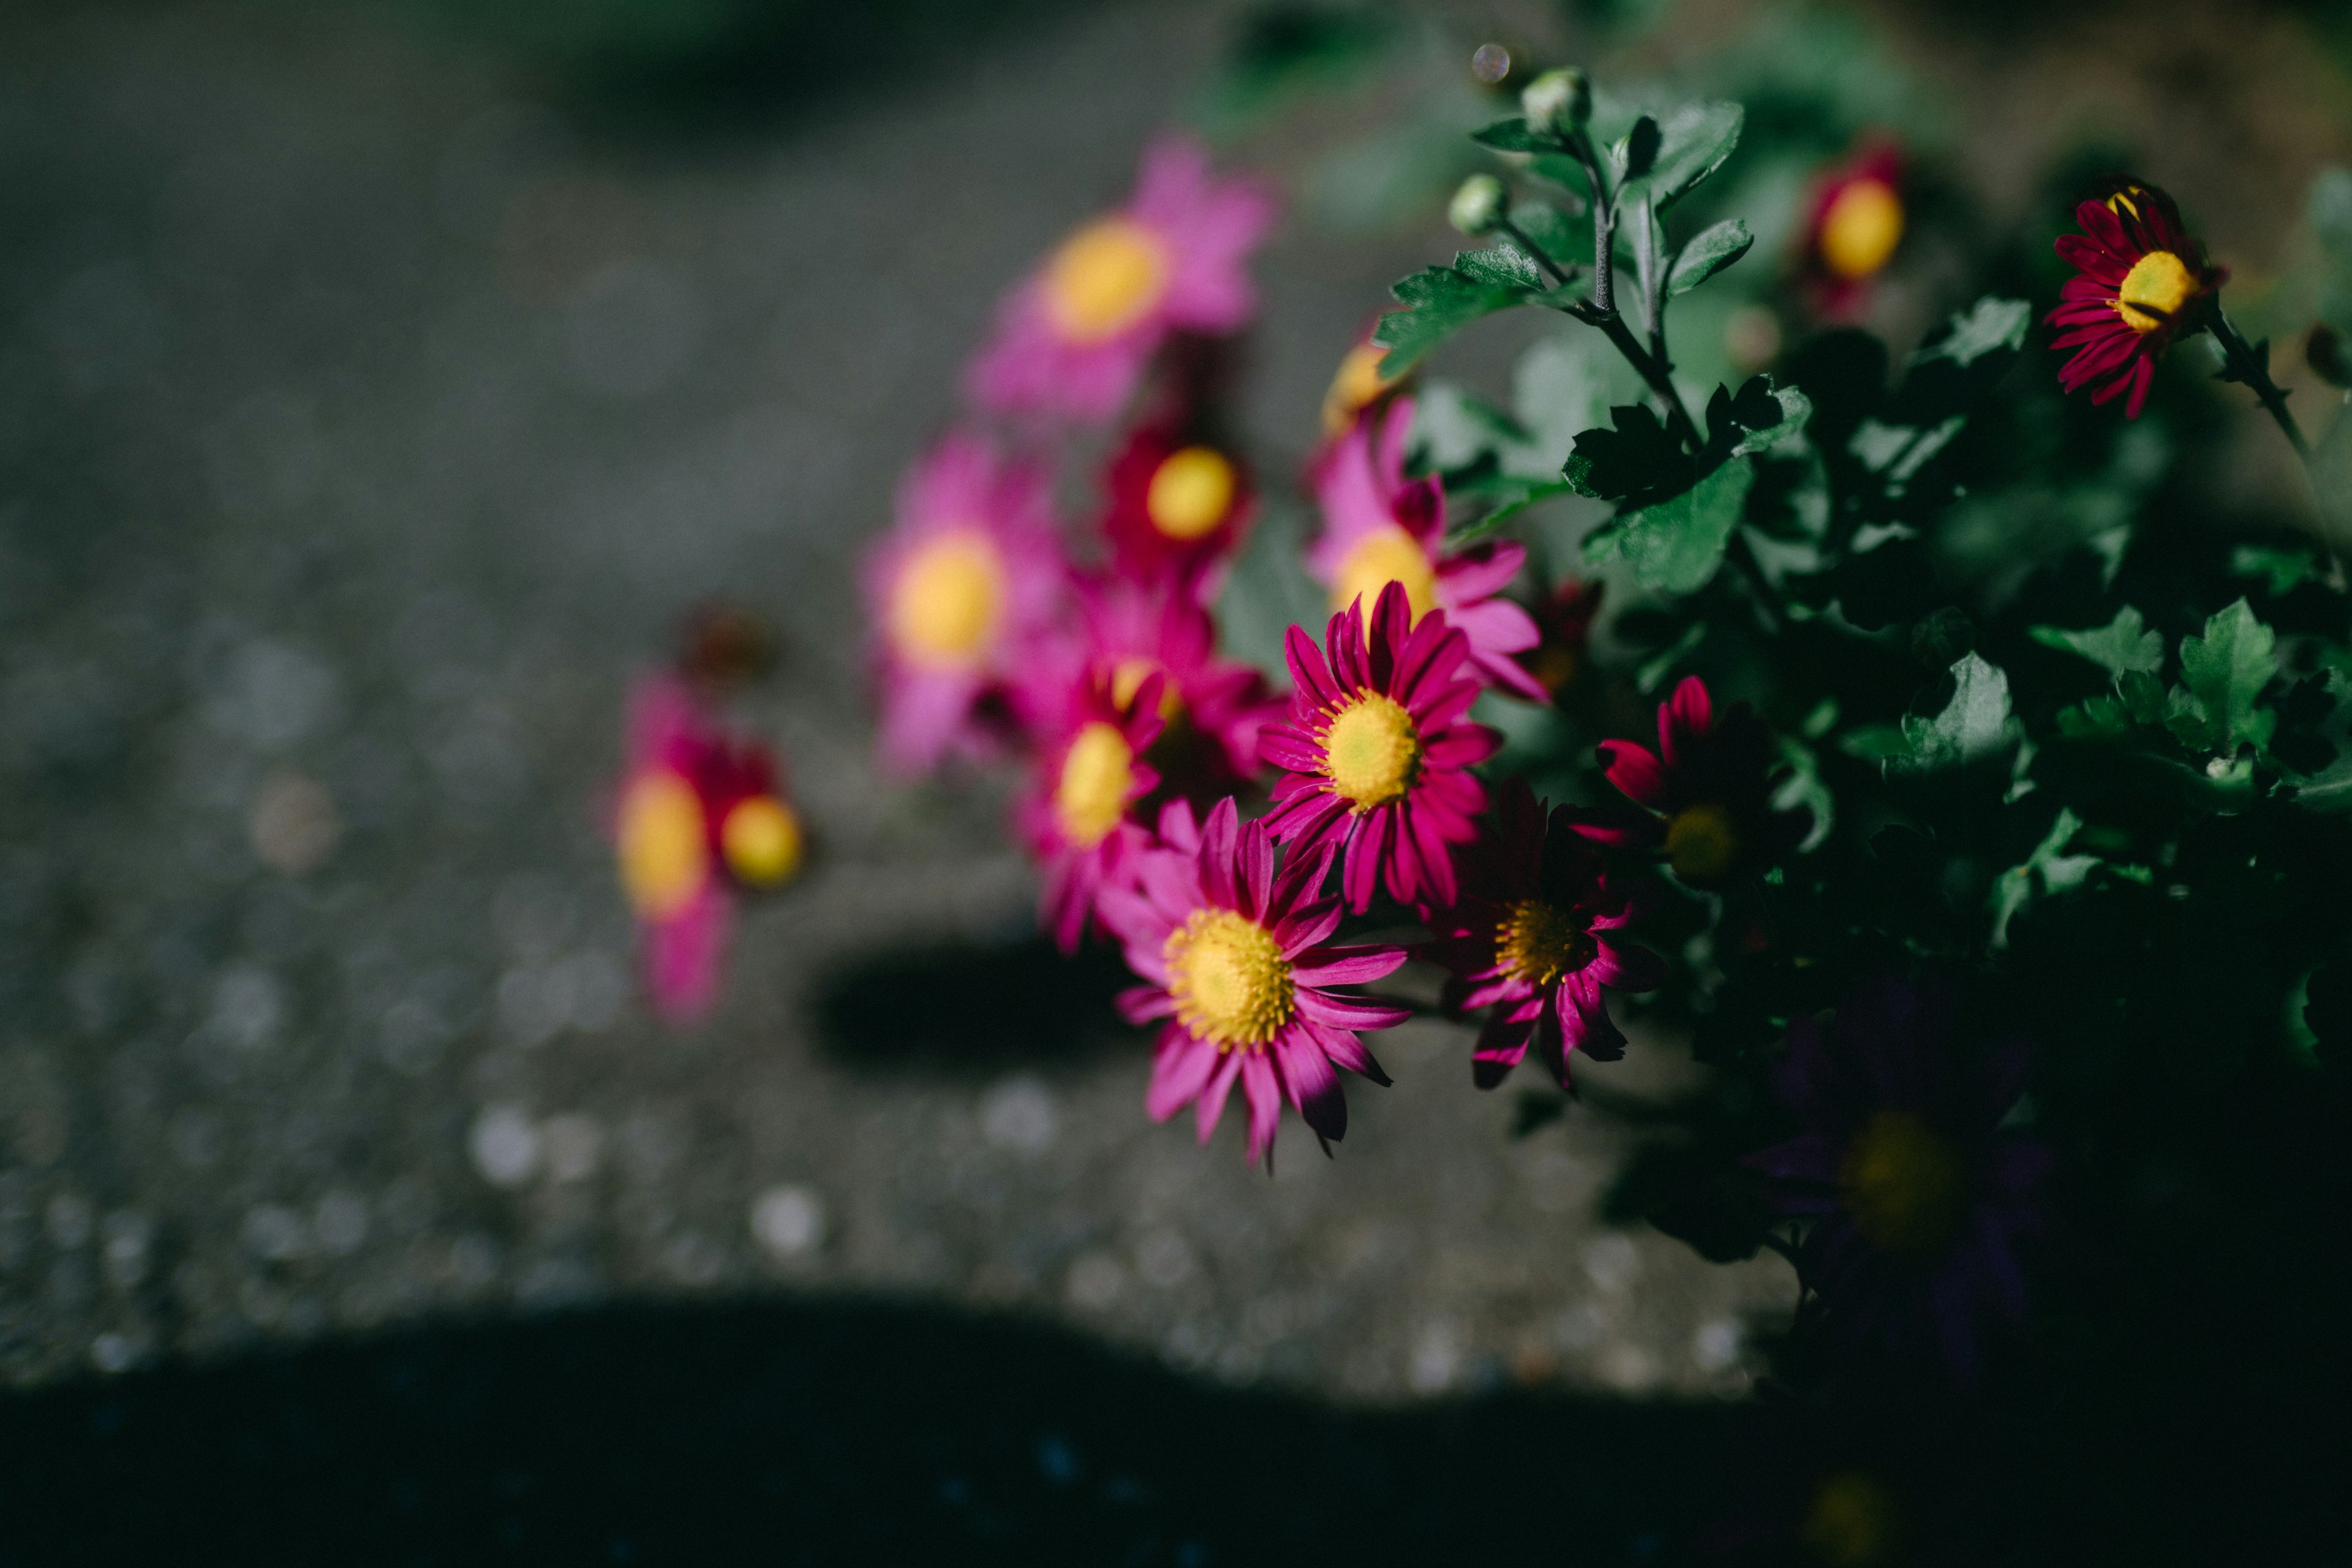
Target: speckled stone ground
(362,427)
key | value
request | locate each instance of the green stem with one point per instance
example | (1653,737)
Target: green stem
(2253,368)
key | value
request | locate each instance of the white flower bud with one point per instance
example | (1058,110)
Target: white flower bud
(1557,100)
(1477,206)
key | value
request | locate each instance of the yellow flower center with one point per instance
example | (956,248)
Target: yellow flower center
(948,599)
(760,837)
(1104,279)
(1851,1523)
(1385,555)
(1357,382)
(1541,941)
(1901,1181)
(1700,843)
(1191,493)
(1098,775)
(1371,751)
(2153,290)
(664,858)
(1229,980)
(1861,229)
(1127,679)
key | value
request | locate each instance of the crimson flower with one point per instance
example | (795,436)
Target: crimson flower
(1087,778)
(1854,227)
(1176,505)
(1564,626)
(1378,751)
(2143,281)
(1215,708)
(1706,794)
(1534,938)
(1234,956)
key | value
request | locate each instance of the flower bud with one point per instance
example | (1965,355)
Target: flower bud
(1479,205)
(2329,357)
(1557,100)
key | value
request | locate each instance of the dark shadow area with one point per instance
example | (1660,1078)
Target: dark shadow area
(971,1007)
(817,1433)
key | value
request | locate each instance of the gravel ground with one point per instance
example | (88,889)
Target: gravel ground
(364,427)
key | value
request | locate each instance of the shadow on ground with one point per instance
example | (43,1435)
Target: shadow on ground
(850,1431)
(971,1008)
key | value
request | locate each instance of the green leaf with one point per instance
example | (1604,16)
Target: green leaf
(1761,417)
(1989,325)
(2043,873)
(1637,454)
(1560,235)
(1977,724)
(1638,153)
(2223,673)
(1709,252)
(2122,644)
(1512,499)
(1440,300)
(1692,143)
(1674,545)
(2285,570)
(1515,135)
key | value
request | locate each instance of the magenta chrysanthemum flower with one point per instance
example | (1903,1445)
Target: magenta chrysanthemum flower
(1075,814)
(958,594)
(1177,505)
(1234,958)
(700,815)
(1531,939)
(1379,753)
(1215,708)
(1706,794)
(1380,528)
(2143,282)
(1919,1197)
(1073,341)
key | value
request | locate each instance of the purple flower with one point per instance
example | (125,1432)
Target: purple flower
(1919,1197)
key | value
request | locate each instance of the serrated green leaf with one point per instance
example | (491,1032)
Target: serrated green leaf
(2222,674)
(2043,873)
(2283,570)
(1760,431)
(1989,324)
(1504,266)
(2122,644)
(1692,143)
(1674,545)
(1636,455)
(1440,300)
(1709,252)
(1977,724)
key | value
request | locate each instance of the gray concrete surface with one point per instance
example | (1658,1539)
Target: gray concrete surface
(362,427)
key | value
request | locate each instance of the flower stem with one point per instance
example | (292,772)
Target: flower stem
(2243,363)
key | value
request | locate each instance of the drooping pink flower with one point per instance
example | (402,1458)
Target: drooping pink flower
(2143,281)
(1178,504)
(1381,528)
(1075,814)
(959,594)
(1072,340)
(1533,938)
(1379,753)
(1234,957)
(701,815)
(1705,795)
(1215,708)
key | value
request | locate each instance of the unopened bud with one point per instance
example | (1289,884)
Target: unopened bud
(1477,206)
(2329,356)
(1557,100)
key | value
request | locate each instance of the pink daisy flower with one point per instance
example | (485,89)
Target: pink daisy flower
(1073,341)
(1706,794)
(1531,940)
(958,594)
(1215,708)
(2142,282)
(1176,505)
(700,815)
(1377,750)
(1075,815)
(1855,225)
(1378,528)
(1234,958)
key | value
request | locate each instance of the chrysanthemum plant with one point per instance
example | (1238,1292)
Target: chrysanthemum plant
(1974,811)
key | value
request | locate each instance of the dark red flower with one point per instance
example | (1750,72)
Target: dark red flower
(1176,504)
(1706,794)
(2143,282)
(1855,227)
(1564,623)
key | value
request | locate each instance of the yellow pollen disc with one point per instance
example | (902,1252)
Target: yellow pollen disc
(1861,229)
(761,840)
(1357,382)
(1700,843)
(948,599)
(1851,1523)
(1901,1182)
(1385,555)
(1127,679)
(1542,942)
(2153,290)
(664,857)
(1191,493)
(1104,279)
(1371,751)
(1231,985)
(1097,773)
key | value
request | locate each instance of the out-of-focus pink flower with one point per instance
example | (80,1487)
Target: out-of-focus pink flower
(1852,227)
(701,815)
(1072,340)
(1564,622)
(1215,708)
(1706,794)
(1233,957)
(1380,528)
(959,594)
(1356,385)
(1177,505)
(1379,753)
(1088,777)
(1535,936)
